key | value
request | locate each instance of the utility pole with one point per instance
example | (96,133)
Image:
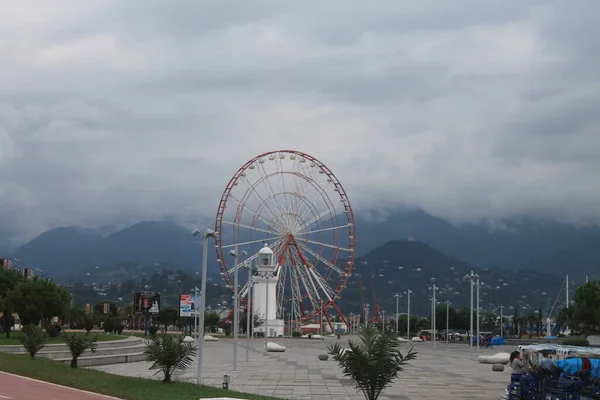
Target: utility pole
(408,292)
(567,289)
(249,312)
(433,288)
(478,333)
(471,279)
(200,354)
(447,319)
(501,322)
(397,296)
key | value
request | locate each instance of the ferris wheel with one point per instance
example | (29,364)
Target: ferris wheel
(293,203)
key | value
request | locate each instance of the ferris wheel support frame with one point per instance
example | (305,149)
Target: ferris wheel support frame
(318,312)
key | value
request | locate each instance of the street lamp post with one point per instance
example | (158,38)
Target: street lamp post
(408,292)
(501,322)
(236,304)
(433,288)
(478,333)
(397,296)
(447,319)
(471,279)
(249,312)
(266,330)
(207,234)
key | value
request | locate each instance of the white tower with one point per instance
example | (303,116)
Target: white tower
(265,293)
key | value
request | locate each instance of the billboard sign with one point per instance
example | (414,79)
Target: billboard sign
(146,303)
(187,305)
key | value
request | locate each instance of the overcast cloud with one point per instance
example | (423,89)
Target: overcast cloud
(117,111)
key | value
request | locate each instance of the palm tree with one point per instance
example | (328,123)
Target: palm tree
(169,353)
(373,363)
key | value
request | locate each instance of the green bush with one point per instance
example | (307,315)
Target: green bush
(33,340)
(296,334)
(53,330)
(77,344)
(27,328)
(88,324)
(169,353)
(109,325)
(152,330)
(575,341)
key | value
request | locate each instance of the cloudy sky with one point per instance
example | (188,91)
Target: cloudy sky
(118,111)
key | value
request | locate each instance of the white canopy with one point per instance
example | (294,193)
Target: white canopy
(573,351)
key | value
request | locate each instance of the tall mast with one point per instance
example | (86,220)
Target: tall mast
(567,289)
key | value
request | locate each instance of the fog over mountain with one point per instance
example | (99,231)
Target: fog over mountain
(116,112)
(539,245)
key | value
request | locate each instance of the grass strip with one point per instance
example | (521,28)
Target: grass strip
(16,335)
(127,388)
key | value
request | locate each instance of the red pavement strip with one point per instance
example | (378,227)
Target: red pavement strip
(15,387)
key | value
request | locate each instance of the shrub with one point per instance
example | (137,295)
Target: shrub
(168,353)
(575,341)
(372,363)
(109,325)
(120,328)
(33,340)
(53,330)
(88,324)
(27,328)
(77,344)
(152,330)
(296,334)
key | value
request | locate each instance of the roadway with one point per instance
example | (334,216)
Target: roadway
(14,387)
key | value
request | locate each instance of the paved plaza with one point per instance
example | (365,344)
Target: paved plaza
(444,373)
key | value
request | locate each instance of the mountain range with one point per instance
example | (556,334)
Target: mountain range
(400,265)
(512,245)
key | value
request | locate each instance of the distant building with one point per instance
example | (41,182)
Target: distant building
(4,263)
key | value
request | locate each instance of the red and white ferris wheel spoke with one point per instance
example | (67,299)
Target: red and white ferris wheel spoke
(311,293)
(252,191)
(321,194)
(324,244)
(264,176)
(322,284)
(263,240)
(322,259)
(248,261)
(295,286)
(316,281)
(288,218)
(246,208)
(307,224)
(322,230)
(281,285)
(309,176)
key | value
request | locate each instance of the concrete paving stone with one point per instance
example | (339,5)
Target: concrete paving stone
(448,372)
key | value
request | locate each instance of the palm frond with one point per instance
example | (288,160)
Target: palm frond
(373,362)
(169,353)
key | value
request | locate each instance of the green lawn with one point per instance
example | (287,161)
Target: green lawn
(112,385)
(16,335)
